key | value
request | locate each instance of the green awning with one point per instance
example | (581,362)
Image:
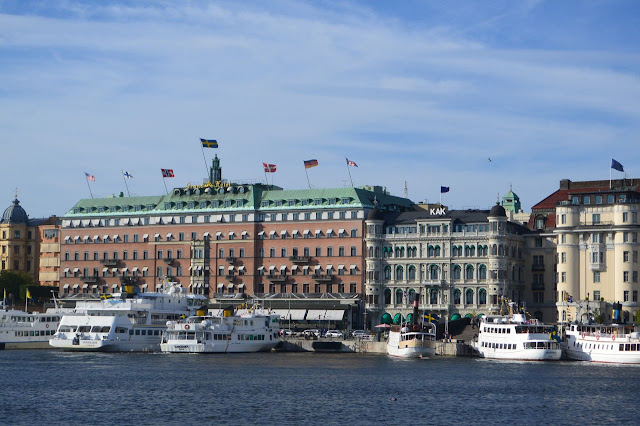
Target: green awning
(397,318)
(455,317)
(468,316)
(409,317)
(386,318)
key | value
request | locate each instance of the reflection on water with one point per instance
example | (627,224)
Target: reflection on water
(295,388)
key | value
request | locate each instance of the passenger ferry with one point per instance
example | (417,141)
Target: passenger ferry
(22,330)
(127,322)
(411,341)
(515,338)
(603,343)
(247,332)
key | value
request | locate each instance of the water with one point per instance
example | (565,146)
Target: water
(308,388)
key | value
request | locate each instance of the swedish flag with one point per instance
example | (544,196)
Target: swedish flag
(432,318)
(209,143)
(28,294)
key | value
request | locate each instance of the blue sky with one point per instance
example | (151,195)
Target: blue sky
(422,91)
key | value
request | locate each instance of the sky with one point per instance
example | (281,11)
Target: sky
(422,92)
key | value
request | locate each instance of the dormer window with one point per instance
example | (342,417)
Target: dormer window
(265,204)
(167,206)
(278,203)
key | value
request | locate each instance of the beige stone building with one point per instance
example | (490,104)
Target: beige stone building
(49,254)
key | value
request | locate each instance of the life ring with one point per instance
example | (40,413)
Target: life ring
(597,337)
(186,327)
(47,325)
(613,337)
(583,334)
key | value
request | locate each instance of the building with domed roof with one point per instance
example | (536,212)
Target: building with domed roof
(20,241)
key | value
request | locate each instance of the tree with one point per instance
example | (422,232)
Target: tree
(636,317)
(12,281)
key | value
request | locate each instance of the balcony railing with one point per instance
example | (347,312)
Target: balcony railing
(323,278)
(231,260)
(300,259)
(110,262)
(538,267)
(277,278)
(91,279)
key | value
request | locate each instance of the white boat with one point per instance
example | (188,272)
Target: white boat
(125,322)
(514,338)
(23,330)
(411,341)
(252,331)
(615,343)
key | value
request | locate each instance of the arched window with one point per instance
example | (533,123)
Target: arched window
(456,272)
(472,250)
(377,251)
(397,251)
(370,251)
(482,297)
(415,252)
(467,251)
(434,272)
(494,250)
(468,299)
(387,296)
(513,273)
(430,251)
(433,296)
(412,295)
(437,251)
(399,272)
(387,272)
(500,250)
(482,272)
(456,296)
(412,272)
(469,273)
(538,315)
(399,297)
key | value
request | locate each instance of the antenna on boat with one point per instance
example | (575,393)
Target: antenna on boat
(55,301)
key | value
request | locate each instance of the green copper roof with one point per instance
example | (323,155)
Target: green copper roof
(254,197)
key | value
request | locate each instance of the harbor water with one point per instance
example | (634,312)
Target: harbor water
(55,387)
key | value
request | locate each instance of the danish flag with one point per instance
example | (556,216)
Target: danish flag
(269,168)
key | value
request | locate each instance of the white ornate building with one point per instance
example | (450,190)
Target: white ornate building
(454,262)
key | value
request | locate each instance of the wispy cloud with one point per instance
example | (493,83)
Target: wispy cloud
(133,85)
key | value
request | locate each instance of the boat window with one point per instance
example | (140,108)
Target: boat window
(137,332)
(84,329)
(121,330)
(67,329)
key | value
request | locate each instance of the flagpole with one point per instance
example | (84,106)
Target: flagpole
(125,184)
(206,169)
(307,173)
(165,184)
(87,178)
(26,300)
(610,168)
(349,170)
(265,175)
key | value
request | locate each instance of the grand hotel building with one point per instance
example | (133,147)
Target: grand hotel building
(223,240)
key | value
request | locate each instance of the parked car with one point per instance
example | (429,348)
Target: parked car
(333,333)
(311,334)
(357,334)
(286,332)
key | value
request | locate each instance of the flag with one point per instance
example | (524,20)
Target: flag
(28,294)
(310,163)
(444,189)
(209,143)
(92,178)
(269,168)
(5,294)
(616,165)
(127,174)
(432,318)
(167,173)
(351,163)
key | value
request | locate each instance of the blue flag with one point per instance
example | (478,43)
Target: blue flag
(444,189)
(616,165)
(209,143)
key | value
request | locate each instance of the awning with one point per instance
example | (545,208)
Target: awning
(353,267)
(283,267)
(218,233)
(231,268)
(316,314)
(125,269)
(114,269)
(169,235)
(231,233)
(114,285)
(105,269)
(206,234)
(241,268)
(244,233)
(334,315)
(76,285)
(134,269)
(260,268)
(290,314)
(272,233)
(105,237)
(95,237)
(115,237)
(94,286)
(76,238)
(261,233)
(190,267)
(317,267)
(295,232)
(318,231)
(67,269)
(145,269)
(305,268)
(340,266)
(85,285)
(145,236)
(272,267)
(230,285)
(340,231)
(76,269)
(145,285)
(67,238)
(329,267)
(283,232)
(156,235)
(220,285)
(329,231)
(294,267)
(241,286)
(86,238)
(306,232)
(66,286)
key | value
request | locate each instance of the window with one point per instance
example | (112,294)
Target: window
(587,199)
(353,251)
(598,199)
(563,257)
(596,276)
(625,217)
(595,218)
(626,295)
(283,252)
(635,276)
(563,277)
(635,295)
(625,256)
(625,237)
(596,295)
(318,251)
(625,277)
(272,252)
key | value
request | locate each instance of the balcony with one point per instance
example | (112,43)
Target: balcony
(109,262)
(539,267)
(300,259)
(323,278)
(277,278)
(230,277)
(92,279)
(169,260)
(231,260)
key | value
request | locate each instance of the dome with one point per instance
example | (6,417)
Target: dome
(15,214)
(375,214)
(498,211)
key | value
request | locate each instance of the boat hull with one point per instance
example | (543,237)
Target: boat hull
(522,355)
(411,352)
(180,346)
(609,357)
